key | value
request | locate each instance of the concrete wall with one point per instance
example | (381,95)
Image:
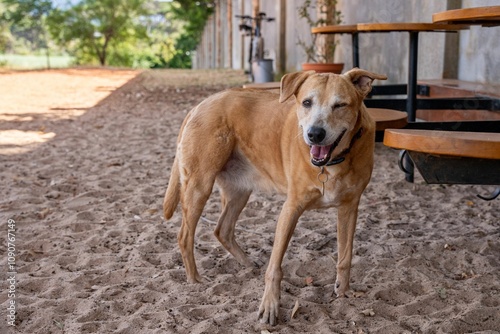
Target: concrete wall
(295,27)
(480,49)
(387,53)
(238,46)
(471,55)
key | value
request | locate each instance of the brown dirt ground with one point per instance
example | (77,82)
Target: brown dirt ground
(84,162)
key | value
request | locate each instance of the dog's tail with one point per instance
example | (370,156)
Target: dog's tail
(173,193)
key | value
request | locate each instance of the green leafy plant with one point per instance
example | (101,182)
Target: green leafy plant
(321,49)
(94,29)
(27,20)
(193,15)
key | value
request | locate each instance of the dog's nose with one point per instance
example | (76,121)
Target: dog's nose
(316,134)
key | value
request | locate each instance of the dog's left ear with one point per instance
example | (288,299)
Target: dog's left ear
(290,84)
(362,79)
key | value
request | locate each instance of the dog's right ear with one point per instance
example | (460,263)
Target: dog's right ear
(290,84)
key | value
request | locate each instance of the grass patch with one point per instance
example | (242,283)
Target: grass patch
(30,62)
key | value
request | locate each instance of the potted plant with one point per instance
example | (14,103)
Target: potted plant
(320,51)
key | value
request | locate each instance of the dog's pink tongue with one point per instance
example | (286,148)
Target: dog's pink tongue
(319,152)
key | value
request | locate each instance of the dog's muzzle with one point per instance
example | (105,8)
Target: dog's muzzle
(321,155)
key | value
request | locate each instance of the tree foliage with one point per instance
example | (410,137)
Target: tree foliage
(27,20)
(138,33)
(5,35)
(194,14)
(92,27)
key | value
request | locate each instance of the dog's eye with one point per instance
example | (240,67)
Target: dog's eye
(307,103)
(339,105)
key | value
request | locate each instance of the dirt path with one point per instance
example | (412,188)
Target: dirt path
(83,174)
(31,100)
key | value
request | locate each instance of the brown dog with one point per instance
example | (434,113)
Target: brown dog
(315,144)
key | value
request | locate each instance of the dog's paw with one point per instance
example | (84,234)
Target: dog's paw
(197,279)
(268,314)
(268,310)
(342,290)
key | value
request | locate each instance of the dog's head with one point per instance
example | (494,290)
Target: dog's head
(328,108)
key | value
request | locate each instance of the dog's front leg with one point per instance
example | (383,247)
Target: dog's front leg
(346,226)
(269,307)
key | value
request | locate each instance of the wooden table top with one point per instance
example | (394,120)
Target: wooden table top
(409,27)
(487,16)
(336,29)
(455,143)
(387,27)
(263,85)
(388,118)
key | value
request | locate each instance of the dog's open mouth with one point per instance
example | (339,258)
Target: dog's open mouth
(320,155)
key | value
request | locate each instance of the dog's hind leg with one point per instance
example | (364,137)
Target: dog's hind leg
(195,194)
(233,202)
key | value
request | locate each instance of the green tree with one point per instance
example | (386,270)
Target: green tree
(28,20)
(5,35)
(92,27)
(162,33)
(194,15)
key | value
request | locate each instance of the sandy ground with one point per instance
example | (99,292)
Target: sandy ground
(85,158)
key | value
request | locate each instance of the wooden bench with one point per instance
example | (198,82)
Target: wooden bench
(450,157)
(388,118)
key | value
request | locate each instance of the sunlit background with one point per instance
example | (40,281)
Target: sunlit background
(132,33)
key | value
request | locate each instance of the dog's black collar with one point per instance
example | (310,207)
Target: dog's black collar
(341,157)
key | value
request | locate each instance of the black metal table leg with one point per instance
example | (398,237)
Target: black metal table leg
(411,98)
(411,102)
(355,49)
